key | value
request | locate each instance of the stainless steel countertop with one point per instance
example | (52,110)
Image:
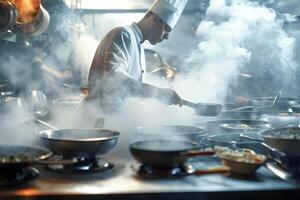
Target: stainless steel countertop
(122,182)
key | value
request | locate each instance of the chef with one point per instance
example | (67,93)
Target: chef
(119,61)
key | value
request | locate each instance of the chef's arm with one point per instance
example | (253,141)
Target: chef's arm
(138,89)
(164,95)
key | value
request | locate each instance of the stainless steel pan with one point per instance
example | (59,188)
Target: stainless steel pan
(74,143)
(204,109)
(79,142)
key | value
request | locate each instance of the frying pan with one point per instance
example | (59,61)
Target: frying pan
(204,109)
(286,140)
(77,143)
(85,143)
(236,125)
(33,155)
(165,154)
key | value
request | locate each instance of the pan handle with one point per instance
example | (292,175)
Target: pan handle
(58,162)
(189,104)
(212,170)
(201,152)
(45,123)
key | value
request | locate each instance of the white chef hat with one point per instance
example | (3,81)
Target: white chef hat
(168,10)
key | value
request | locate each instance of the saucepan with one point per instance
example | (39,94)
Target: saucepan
(204,109)
(74,143)
(165,154)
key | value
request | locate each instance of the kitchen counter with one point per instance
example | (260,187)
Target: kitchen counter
(122,182)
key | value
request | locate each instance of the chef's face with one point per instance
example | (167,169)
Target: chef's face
(160,31)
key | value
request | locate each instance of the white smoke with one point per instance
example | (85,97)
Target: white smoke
(234,35)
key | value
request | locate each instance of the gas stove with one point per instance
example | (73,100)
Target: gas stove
(85,165)
(145,171)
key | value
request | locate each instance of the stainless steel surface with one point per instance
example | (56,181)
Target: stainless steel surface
(85,143)
(278,171)
(122,182)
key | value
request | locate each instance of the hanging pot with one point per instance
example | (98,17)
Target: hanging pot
(32,22)
(8,15)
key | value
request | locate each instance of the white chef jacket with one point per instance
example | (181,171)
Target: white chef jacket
(120,52)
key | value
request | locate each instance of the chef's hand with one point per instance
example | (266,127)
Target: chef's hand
(169,97)
(241,100)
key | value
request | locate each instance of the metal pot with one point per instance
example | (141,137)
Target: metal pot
(8,15)
(165,154)
(190,133)
(37,26)
(85,143)
(286,140)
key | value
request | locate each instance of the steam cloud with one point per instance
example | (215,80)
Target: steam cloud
(234,35)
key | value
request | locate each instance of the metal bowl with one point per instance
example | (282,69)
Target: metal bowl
(243,161)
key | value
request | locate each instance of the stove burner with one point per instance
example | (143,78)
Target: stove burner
(146,171)
(19,177)
(83,165)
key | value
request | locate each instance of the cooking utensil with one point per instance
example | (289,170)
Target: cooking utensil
(17,157)
(33,154)
(296,108)
(165,154)
(240,114)
(237,125)
(260,142)
(8,15)
(79,142)
(278,171)
(282,104)
(170,132)
(286,140)
(234,140)
(204,109)
(72,143)
(242,161)
(36,102)
(249,137)
(243,108)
